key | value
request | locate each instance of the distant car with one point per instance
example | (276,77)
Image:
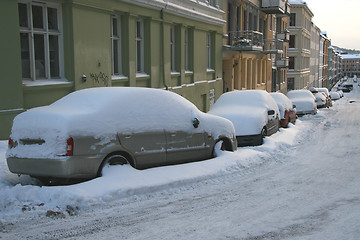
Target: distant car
(78,135)
(254,114)
(340,93)
(320,100)
(334,96)
(346,87)
(286,108)
(303,100)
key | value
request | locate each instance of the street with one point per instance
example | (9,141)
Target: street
(309,189)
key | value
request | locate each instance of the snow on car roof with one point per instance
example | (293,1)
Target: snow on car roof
(300,94)
(103,111)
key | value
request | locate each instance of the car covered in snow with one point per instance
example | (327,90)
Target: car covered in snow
(346,87)
(76,136)
(335,96)
(254,114)
(303,100)
(320,100)
(286,108)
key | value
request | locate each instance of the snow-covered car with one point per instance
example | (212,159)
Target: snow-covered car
(303,100)
(78,135)
(286,108)
(334,96)
(346,87)
(254,114)
(320,100)
(327,94)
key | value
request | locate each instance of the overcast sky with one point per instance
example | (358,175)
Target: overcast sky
(340,19)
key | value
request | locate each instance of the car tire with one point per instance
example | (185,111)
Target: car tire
(263,135)
(111,160)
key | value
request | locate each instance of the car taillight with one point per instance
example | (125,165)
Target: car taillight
(11,143)
(69,147)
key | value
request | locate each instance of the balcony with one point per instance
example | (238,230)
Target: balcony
(274,7)
(273,46)
(282,63)
(245,41)
(284,36)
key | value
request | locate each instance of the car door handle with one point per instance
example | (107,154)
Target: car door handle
(127,134)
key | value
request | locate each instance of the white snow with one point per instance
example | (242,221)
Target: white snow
(304,100)
(297,185)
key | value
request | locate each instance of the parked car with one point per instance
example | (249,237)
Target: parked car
(334,96)
(346,87)
(319,97)
(327,95)
(320,100)
(78,135)
(286,108)
(303,100)
(254,114)
(341,93)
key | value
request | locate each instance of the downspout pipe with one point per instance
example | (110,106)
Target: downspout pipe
(162,58)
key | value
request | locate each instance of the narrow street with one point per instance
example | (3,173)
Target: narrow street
(308,191)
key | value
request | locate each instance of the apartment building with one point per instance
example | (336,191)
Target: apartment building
(350,65)
(315,56)
(327,44)
(299,46)
(254,52)
(333,75)
(54,47)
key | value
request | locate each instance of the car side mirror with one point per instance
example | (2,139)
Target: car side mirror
(271,112)
(294,106)
(195,122)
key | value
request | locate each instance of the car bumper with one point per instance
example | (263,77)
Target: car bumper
(67,167)
(249,140)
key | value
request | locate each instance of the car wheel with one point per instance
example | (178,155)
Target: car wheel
(218,147)
(111,160)
(263,135)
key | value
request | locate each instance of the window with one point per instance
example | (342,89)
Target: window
(139,46)
(290,84)
(116,45)
(292,41)
(40,39)
(173,48)
(209,50)
(293,19)
(291,62)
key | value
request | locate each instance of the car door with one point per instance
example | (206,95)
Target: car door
(273,122)
(185,146)
(148,148)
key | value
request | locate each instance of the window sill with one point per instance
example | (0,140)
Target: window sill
(175,74)
(45,82)
(140,76)
(210,70)
(118,77)
(187,73)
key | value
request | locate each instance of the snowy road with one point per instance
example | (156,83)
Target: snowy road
(308,188)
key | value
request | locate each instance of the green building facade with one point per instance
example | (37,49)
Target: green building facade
(51,48)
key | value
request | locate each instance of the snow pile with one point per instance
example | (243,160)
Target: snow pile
(124,181)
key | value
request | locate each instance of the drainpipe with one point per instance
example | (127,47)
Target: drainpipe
(162,47)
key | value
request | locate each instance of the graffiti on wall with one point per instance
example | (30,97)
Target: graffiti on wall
(100,78)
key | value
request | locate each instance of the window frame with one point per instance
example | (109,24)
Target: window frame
(116,40)
(139,40)
(46,33)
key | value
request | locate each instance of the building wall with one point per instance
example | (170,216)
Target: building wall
(315,56)
(301,52)
(86,52)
